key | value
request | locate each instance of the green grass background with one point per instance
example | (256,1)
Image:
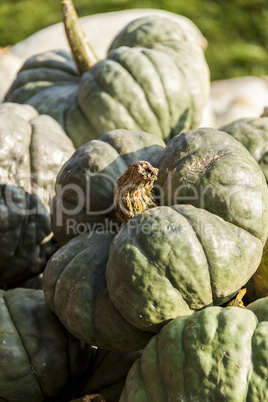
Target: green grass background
(236,30)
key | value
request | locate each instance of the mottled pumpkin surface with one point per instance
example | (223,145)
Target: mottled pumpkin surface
(170,260)
(214,354)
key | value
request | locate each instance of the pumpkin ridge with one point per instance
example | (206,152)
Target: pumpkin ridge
(23,345)
(68,292)
(135,82)
(166,97)
(174,55)
(90,116)
(61,77)
(205,254)
(38,101)
(63,57)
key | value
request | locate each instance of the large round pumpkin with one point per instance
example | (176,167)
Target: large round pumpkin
(117,290)
(216,354)
(33,148)
(155,79)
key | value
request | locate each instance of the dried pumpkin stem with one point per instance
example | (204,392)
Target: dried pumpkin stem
(238,302)
(83,53)
(133,191)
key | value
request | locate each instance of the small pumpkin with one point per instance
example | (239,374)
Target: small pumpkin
(253,134)
(214,354)
(116,290)
(33,147)
(154,79)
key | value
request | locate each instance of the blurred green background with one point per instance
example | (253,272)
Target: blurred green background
(236,30)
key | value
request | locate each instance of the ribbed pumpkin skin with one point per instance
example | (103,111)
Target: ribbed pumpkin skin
(32,149)
(80,298)
(169,260)
(216,354)
(253,134)
(91,174)
(141,85)
(38,357)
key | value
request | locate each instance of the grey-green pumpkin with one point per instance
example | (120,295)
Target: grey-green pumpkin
(253,134)
(214,354)
(154,79)
(41,361)
(32,149)
(117,290)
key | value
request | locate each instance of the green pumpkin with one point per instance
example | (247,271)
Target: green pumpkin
(33,148)
(216,354)
(38,357)
(41,361)
(115,290)
(154,79)
(253,134)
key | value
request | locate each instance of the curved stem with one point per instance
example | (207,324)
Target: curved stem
(83,54)
(133,191)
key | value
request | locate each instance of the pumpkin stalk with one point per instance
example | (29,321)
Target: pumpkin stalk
(133,191)
(238,302)
(83,53)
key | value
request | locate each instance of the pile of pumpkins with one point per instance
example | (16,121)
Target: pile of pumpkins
(128,233)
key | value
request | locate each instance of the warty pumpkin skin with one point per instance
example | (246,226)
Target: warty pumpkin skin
(253,134)
(143,84)
(171,259)
(214,354)
(84,188)
(33,147)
